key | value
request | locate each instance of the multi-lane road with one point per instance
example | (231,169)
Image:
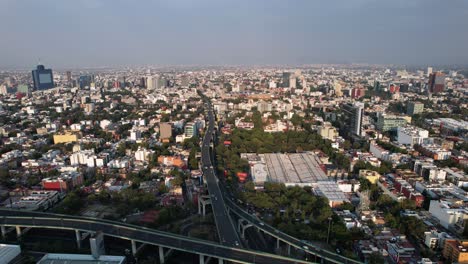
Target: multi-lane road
(228,235)
(221,203)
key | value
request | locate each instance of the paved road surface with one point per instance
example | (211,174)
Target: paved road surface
(228,235)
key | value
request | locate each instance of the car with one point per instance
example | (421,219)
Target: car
(237,243)
(338,251)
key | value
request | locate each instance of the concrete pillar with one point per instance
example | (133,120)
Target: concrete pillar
(4,232)
(199,205)
(201,258)
(289,250)
(78,238)
(220,261)
(18,231)
(239,225)
(134,248)
(277,243)
(161,255)
(204,209)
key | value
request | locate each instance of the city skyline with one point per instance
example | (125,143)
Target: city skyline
(97,33)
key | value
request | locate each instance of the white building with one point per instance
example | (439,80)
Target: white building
(410,135)
(446,214)
(135,135)
(378,151)
(143,154)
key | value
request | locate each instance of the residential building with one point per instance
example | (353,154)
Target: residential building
(165,131)
(436,83)
(352,114)
(410,135)
(190,130)
(414,108)
(66,137)
(456,251)
(390,122)
(328,131)
(447,213)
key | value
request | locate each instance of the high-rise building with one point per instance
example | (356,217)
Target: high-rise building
(337,87)
(69,77)
(84,81)
(358,92)
(353,114)
(387,122)
(292,82)
(414,108)
(286,78)
(436,83)
(42,78)
(165,131)
(429,71)
(150,82)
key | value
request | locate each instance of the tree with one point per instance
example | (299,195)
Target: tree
(375,258)
(193,162)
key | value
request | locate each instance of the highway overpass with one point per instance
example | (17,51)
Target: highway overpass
(23,219)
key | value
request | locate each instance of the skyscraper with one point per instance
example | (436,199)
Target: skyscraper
(436,83)
(286,78)
(42,78)
(429,71)
(69,77)
(153,82)
(352,114)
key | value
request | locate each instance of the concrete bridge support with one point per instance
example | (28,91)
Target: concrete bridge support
(242,225)
(78,238)
(203,201)
(18,231)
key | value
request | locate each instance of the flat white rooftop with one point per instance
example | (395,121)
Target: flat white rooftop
(295,168)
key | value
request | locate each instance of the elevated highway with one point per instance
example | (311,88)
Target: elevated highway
(21,219)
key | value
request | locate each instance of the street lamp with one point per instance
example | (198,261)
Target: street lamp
(329,228)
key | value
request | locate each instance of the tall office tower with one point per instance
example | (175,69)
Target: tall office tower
(429,71)
(84,81)
(436,83)
(337,87)
(69,77)
(353,114)
(286,78)
(162,82)
(149,82)
(292,82)
(122,81)
(153,82)
(142,82)
(42,78)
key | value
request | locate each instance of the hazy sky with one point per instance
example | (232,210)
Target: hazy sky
(77,33)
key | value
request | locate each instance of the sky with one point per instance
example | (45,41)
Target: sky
(88,33)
